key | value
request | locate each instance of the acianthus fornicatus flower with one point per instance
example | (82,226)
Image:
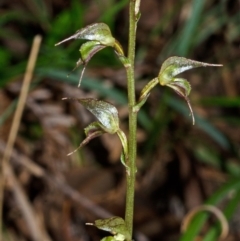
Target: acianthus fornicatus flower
(167,77)
(108,122)
(99,36)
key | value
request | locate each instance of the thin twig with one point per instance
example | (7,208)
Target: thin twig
(16,120)
(32,222)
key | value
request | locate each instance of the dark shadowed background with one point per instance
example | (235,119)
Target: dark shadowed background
(180,166)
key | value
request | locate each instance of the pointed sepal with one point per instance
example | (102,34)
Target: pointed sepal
(98,31)
(87,50)
(105,112)
(183,88)
(90,135)
(176,65)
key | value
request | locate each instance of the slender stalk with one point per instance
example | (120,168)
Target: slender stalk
(16,120)
(132,120)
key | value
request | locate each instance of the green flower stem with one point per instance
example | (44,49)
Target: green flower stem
(131,162)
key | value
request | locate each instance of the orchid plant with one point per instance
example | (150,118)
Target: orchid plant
(98,36)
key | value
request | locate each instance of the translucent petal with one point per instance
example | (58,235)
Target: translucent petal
(176,65)
(105,112)
(97,31)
